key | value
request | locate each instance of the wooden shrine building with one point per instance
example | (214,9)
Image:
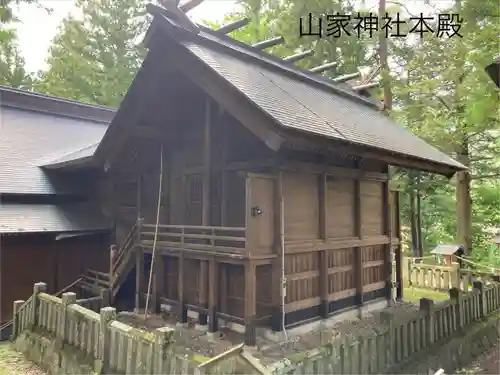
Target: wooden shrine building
(258,191)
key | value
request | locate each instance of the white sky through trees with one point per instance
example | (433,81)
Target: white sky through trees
(37,28)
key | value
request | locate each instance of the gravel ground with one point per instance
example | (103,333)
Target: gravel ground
(488,363)
(13,363)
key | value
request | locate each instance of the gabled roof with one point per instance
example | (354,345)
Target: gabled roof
(294,99)
(447,249)
(37,129)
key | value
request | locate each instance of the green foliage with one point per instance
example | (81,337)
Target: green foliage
(12,72)
(95,58)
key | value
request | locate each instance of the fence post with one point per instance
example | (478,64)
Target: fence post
(15,319)
(455,296)
(455,275)
(164,336)
(67,299)
(105,298)
(427,307)
(479,286)
(37,288)
(107,315)
(388,318)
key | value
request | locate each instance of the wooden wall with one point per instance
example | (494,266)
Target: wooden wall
(30,258)
(343,256)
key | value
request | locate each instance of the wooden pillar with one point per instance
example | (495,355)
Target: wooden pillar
(397,255)
(139,195)
(323,254)
(250,303)
(277,263)
(212,295)
(139,276)
(182,313)
(387,230)
(205,214)
(159,282)
(358,259)
(223,291)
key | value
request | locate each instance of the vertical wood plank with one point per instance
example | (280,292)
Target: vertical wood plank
(139,275)
(250,303)
(358,259)
(180,290)
(212,295)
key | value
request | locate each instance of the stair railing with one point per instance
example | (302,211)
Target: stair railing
(124,252)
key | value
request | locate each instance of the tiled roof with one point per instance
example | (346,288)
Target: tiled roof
(298,99)
(302,106)
(30,218)
(28,137)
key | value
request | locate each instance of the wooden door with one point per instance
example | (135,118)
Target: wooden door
(260,211)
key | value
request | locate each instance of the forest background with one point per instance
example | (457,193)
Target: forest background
(434,85)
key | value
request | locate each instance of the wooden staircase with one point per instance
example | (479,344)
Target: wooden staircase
(123,262)
(93,281)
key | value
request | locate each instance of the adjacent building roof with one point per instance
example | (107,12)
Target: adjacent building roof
(297,99)
(33,218)
(38,129)
(448,249)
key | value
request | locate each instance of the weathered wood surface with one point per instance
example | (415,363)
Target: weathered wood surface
(443,278)
(119,348)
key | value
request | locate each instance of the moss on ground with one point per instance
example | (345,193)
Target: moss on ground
(13,362)
(413,294)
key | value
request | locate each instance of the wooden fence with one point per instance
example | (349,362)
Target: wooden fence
(112,346)
(400,337)
(444,277)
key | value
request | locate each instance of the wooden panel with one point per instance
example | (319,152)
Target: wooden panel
(235,290)
(373,264)
(371,213)
(191,280)
(260,228)
(264,290)
(301,201)
(340,208)
(302,273)
(171,277)
(235,205)
(194,198)
(340,270)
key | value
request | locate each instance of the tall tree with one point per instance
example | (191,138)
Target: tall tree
(12,72)
(94,58)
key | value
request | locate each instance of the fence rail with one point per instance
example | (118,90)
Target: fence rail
(444,278)
(119,348)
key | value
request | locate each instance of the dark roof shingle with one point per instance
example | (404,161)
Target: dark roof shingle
(32,218)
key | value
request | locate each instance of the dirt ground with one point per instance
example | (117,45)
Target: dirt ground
(14,363)
(199,346)
(487,364)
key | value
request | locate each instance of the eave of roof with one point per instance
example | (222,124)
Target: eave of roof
(33,101)
(43,218)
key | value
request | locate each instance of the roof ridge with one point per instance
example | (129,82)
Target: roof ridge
(261,56)
(55,106)
(52,97)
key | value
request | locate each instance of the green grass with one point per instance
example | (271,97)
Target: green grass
(412,294)
(13,362)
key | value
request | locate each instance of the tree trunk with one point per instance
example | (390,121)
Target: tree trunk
(464,203)
(384,55)
(413,224)
(418,209)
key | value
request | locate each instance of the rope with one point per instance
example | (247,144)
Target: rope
(158,206)
(493,269)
